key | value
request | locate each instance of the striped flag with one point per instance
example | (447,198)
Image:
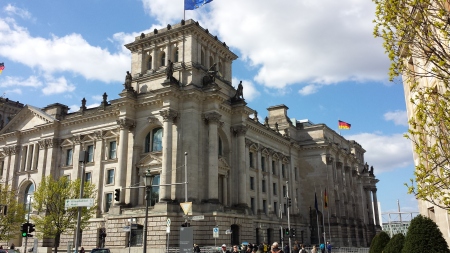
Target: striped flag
(2,67)
(344,125)
(325,199)
(194,4)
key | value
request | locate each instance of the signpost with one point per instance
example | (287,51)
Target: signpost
(78,203)
(198,217)
(216,232)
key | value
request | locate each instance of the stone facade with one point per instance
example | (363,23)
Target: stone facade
(239,168)
(8,109)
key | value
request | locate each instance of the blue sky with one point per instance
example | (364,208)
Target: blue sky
(318,57)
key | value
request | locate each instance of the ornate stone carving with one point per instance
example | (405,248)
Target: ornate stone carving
(212,117)
(42,144)
(248,142)
(239,130)
(125,123)
(52,142)
(152,120)
(169,114)
(7,150)
(76,139)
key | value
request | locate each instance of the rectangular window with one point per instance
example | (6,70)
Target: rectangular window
(285,208)
(250,158)
(296,173)
(112,150)
(108,201)
(110,177)
(273,168)
(282,170)
(252,205)
(275,208)
(264,206)
(88,177)
(263,164)
(284,191)
(69,154)
(263,186)
(252,183)
(90,153)
(274,189)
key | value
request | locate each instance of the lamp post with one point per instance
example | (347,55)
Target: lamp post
(148,194)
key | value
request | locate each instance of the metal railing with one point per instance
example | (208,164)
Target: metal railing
(212,249)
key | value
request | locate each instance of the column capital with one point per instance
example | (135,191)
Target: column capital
(125,123)
(52,142)
(374,190)
(212,117)
(239,130)
(248,142)
(168,114)
(42,144)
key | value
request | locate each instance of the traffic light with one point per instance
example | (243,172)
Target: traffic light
(186,224)
(289,202)
(31,229)
(117,195)
(24,229)
(293,232)
(286,231)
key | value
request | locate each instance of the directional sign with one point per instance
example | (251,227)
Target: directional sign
(198,217)
(216,232)
(167,230)
(79,202)
(126,229)
(168,222)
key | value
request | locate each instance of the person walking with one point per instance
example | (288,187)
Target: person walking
(196,248)
(314,249)
(322,248)
(328,247)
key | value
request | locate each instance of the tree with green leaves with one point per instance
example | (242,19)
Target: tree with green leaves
(379,242)
(53,218)
(416,35)
(424,236)
(12,213)
(395,245)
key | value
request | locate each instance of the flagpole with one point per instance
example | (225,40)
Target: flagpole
(328,212)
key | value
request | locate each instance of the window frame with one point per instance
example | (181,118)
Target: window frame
(112,153)
(108,201)
(68,161)
(110,176)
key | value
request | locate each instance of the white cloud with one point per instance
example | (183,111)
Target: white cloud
(97,98)
(57,86)
(308,90)
(293,41)
(93,105)
(74,108)
(58,54)
(385,152)
(250,91)
(398,117)
(13,81)
(17,91)
(12,10)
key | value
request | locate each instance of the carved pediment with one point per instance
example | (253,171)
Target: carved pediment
(150,161)
(27,118)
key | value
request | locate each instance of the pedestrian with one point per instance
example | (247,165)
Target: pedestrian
(322,248)
(82,250)
(329,247)
(196,248)
(235,249)
(275,248)
(12,246)
(1,247)
(302,248)
(314,249)
(224,249)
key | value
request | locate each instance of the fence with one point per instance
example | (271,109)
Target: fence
(211,249)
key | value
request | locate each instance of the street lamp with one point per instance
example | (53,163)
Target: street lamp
(148,194)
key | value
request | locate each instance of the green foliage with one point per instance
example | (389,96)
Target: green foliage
(416,35)
(395,245)
(49,200)
(379,242)
(15,214)
(424,236)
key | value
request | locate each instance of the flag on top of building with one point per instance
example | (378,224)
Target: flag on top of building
(344,125)
(194,4)
(2,67)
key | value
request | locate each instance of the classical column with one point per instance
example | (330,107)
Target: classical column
(125,125)
(225,190)
(375,206)
(243,178)
(369,205)
(213,119)
(166,173)
(155,57)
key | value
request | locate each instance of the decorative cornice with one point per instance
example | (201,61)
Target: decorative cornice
(168,114)
(126,123)
(212,117)
(239,130)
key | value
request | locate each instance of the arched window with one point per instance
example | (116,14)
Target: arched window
(149,63)
(163,59)
(202,58)
(153,140)
(175,55)
(28,197)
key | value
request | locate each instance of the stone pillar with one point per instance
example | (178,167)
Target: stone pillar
(155,57)
(213,119)
(243,178)
(369,206)
(125,126)
(14,166)
(166,173)
(7,168)
(375,207)
(51,155)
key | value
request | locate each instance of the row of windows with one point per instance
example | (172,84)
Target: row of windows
(263,186)
(162,59)
(276,207)
(274,167)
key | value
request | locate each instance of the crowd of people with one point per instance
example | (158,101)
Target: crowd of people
(274,248)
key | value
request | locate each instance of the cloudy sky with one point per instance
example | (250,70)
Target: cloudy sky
(318,57)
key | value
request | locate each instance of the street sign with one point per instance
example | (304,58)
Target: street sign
(216,232)
(198,217)
(167,230)
(126,229)
(79,202)
(168,222)
(228,232)
(187,206)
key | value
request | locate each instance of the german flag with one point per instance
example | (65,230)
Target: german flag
(344,125)
(2,67)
